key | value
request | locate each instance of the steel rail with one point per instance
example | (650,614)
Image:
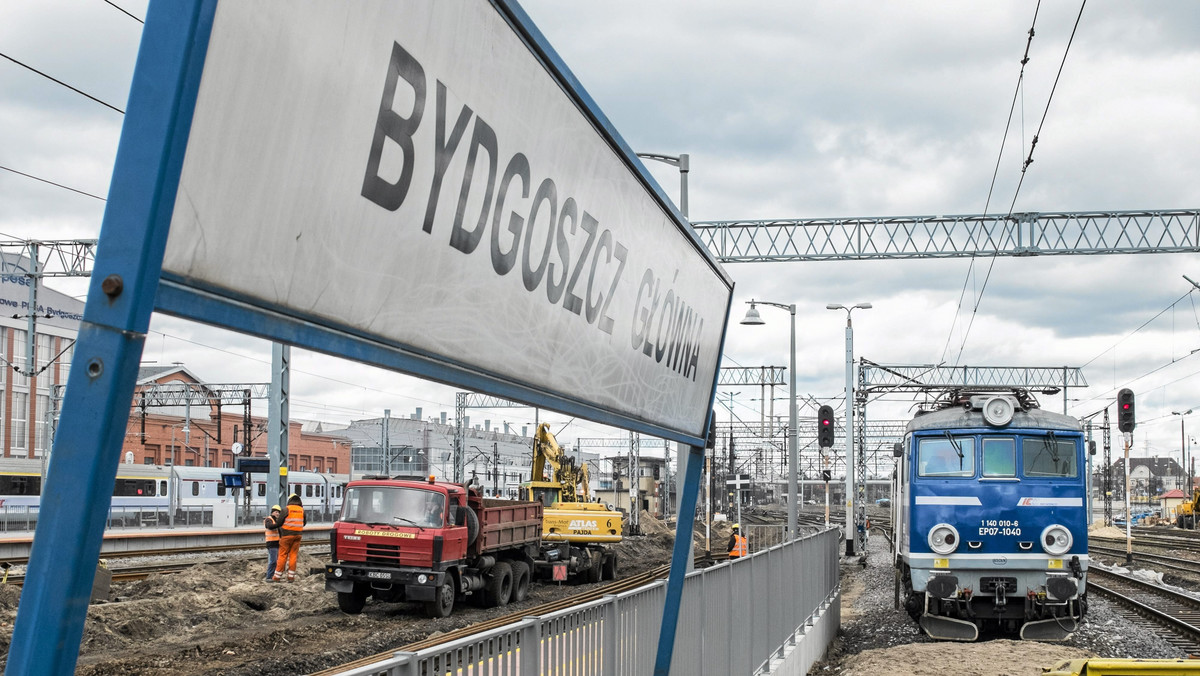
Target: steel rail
(1177,612)
(1171,563)
(141,571)
(175,551)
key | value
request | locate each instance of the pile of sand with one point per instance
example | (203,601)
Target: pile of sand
(1106,532)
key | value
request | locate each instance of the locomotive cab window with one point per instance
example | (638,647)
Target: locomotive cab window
(999,458)
(1048,456)
(946,457)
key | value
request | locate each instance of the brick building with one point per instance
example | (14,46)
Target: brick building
(26,402)
(204,436)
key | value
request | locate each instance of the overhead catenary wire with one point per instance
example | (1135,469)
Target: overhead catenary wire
(123,11)
(1025,166)
(58,185)
(995,171)
(56,80)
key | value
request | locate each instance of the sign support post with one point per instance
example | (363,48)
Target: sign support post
(83,466)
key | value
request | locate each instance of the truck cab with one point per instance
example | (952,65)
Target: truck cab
(397,539)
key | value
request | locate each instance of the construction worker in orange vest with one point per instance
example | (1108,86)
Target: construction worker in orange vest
(289,539)
(271,525)
(738,544)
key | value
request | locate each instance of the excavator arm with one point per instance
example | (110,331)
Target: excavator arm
(584,492)
(545,451)
(572,478)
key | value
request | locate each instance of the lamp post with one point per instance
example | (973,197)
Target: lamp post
(187,435)
(683,162)
(1183,448)
(753,319)
(850,466)
(680,161)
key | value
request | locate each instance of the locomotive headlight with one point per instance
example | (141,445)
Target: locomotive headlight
(422,578)
(943,539)
(337,572)
(1056,540)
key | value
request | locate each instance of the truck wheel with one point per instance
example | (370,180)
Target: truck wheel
(352,602)
(499,585)
(520,589)
(593,571)
(609,571)
(443,601)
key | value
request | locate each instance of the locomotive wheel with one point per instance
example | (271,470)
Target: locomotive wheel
(499,585)
(443,602)
(352,602)
(520,589)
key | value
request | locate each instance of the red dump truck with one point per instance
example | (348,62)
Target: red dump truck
(434,543)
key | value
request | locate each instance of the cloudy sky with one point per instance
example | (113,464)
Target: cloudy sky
(788,110)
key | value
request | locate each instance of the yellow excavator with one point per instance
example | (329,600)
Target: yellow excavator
(1186,515)
(571,523)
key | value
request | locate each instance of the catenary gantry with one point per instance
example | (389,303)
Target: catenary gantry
(966,236)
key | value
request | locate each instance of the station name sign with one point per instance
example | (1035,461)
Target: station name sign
(428,176)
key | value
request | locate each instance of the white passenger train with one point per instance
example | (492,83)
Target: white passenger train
(162,494)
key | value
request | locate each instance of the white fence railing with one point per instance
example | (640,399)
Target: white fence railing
(773,612)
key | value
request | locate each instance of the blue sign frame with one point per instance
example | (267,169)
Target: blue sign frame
(126,287)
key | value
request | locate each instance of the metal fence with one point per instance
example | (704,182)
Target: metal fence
(773,612)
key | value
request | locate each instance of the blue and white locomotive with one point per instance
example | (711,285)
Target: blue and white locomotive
(990,517)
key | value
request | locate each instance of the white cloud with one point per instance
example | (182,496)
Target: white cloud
(788,110)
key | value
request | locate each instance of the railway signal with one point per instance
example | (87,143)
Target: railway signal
(1126,419)
(825,427)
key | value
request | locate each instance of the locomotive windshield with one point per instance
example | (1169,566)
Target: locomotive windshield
(1048,456)
(999,458)
(947,456)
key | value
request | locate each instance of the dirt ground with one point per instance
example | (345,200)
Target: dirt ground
(225,619)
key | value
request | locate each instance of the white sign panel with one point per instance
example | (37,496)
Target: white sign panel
(412,173)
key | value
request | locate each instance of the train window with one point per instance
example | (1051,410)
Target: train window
(946,456)
(308,491)
(999,458)
(195,488)
(20,485)
(262,490)
(220,489)
(162,487)
(134,487)
(1048,456)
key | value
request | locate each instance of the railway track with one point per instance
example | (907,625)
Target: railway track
(1159,540)
(177,551)
(1171,563)
(142,571)
(1178,613)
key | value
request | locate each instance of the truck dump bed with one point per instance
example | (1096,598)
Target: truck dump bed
(504,524)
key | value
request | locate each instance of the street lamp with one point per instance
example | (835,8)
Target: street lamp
(187,435)
(851,522)
(1183,449)
(753,319)
(682,162)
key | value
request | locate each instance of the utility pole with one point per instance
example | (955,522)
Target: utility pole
(277,421)
(386,443)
